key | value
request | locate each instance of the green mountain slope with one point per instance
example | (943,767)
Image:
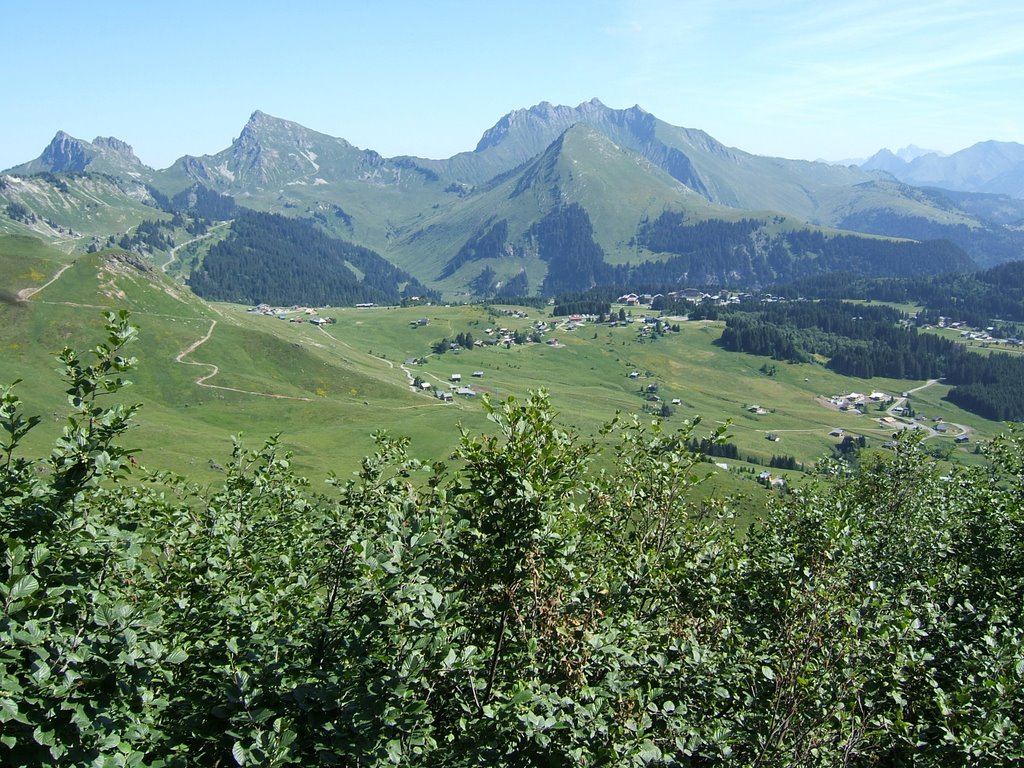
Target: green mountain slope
(517,231)
(72,210)
(468,225)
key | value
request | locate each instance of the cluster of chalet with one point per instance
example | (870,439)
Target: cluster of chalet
(855,400)
(294,314)
(692,295)
(455,387)
(979,334)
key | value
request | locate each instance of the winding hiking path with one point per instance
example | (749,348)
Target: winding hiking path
(175,249)
(214,370)
(26,293)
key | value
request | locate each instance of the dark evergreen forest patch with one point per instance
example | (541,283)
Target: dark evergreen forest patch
(487,243)
(565,240)
(978,299)
(274,259)
(742,253)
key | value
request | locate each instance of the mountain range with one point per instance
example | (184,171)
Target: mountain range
(995,167)
(550,192)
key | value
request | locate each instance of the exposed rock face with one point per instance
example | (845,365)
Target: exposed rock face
(65,154)
(113,144)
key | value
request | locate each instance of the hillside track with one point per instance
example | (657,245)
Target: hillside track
(26,293)
(214,370)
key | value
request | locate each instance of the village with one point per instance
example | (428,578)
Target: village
(894,411)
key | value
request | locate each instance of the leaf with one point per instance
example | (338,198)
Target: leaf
(9,711)
(43,738)
(176,656)
(649,752)
(768,672)
(23,587)
(238,752)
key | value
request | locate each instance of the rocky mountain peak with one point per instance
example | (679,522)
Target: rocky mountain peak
(113,144)
(65,153)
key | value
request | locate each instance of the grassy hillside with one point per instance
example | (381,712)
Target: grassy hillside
(69,210)
(326,390)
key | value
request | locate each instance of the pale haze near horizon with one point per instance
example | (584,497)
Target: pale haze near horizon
(803,80)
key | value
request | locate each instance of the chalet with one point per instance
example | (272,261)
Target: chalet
(465,392)
(960,439)
(425,385)
(455,377)
(773,437)
(478,374)
(441,394)
(836,433)
(942,428)
(676,401)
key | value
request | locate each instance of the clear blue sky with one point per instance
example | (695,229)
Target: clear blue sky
(814,79)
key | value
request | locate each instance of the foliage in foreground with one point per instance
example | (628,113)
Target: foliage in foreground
(517,608)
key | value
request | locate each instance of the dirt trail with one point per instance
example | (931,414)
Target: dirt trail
(214,370)
(26,293)
(175,249)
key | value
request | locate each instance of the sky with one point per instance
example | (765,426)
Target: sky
(809,80)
